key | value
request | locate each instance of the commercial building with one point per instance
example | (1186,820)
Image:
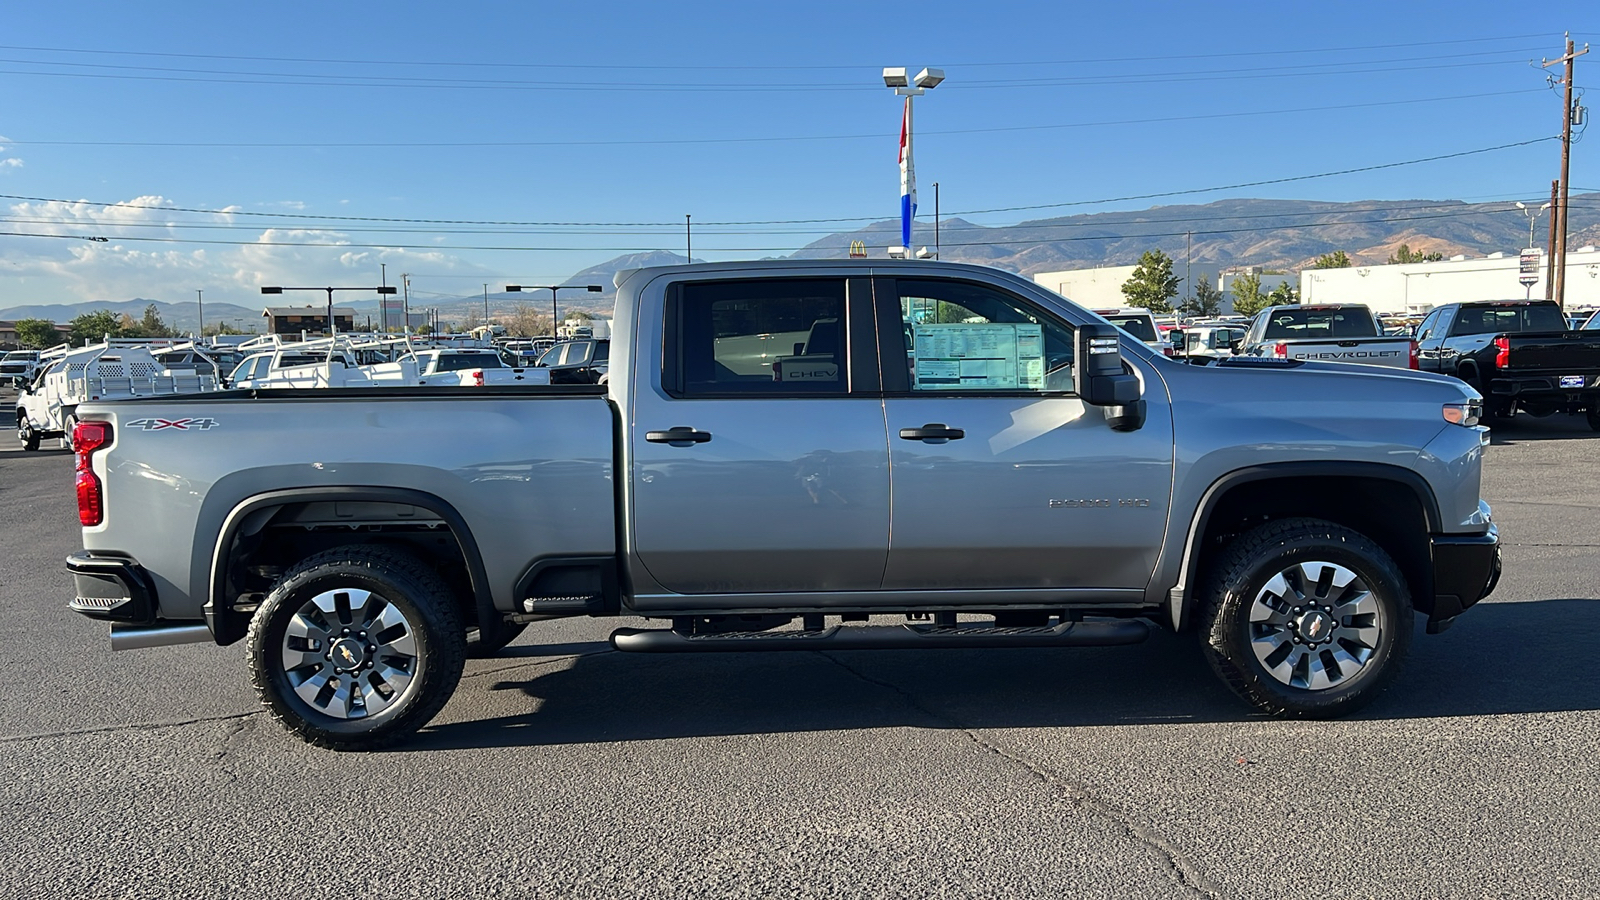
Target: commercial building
(291,321)
(1101,286)
(1415,288)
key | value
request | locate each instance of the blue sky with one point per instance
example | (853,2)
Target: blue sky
(623,112)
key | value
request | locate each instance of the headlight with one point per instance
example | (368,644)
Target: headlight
(1466,413)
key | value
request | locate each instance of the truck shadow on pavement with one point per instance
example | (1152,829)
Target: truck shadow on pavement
(1524,657)
(1524,428)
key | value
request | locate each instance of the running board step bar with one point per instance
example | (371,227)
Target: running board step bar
(885,637)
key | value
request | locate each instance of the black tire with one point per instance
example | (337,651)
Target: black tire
(431,621)
(501,635)
(26,436)
(1240,584)
(68,425)
(1594,418)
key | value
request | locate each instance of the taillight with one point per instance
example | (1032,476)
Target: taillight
(87,437)
(1413,362)
(1166,350)
(477,378)
(1280,350)
(1502,352)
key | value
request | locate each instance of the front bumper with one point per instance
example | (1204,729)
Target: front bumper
(1466,568)
(112,588)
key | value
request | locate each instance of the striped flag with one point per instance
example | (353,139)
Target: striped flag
(908,179)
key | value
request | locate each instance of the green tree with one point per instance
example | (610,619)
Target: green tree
(94,326)
(578,315)
(1152,285)
(1338,259)
(1207,300)
(1406,255)
(1283,295)
(1247,297)
(37,334)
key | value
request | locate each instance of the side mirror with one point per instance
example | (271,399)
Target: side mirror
(1235,344)
(1103,381)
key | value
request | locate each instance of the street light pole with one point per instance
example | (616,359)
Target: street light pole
(552,288)
(1533,216)
(926,80)
(200,298)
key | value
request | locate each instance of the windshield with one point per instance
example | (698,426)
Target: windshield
(1140,327)
(1593,324)
(455,362)
(1347,322)
(20,356)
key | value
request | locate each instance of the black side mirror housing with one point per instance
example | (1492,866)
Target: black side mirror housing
(1105,382)
(1234,345)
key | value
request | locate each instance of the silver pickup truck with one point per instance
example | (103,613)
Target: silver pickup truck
(1328,332)
(794,455)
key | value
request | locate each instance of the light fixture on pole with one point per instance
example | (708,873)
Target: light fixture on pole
(333,327)
(1533,216)
(552,288)
(926,80)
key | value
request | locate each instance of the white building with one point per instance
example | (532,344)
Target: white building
(1097,288)
(1415,288)
(1101,287)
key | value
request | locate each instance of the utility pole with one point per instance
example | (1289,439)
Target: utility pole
(1188,263)
(200,298)
(936,220)
(1560,262)
(486,304)
(405,305)
(688,240)
(383,306)
(1550,245)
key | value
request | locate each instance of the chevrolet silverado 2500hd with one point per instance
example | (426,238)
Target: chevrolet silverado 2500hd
(786,451)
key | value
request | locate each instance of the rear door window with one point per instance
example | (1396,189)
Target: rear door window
(760,338)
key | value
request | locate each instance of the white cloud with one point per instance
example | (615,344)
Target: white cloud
(137,261)
(10,162)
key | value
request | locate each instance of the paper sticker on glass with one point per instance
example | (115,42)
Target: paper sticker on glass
(985,356)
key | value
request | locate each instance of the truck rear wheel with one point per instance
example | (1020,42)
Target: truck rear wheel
(356,648)
(1306,619)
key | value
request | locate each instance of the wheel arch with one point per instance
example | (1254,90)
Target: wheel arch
(252,514)
(1393,506)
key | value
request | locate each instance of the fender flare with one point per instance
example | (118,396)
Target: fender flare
(226,627)
(1179,598)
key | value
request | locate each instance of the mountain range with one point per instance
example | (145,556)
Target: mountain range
(1275,234)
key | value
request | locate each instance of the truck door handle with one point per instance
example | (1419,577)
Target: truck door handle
(678,436)
(933,433)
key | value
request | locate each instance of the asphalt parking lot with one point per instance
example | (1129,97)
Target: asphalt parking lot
(565,769)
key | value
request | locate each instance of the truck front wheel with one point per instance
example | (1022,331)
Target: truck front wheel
(1306,619)
(26,436)
(356,648)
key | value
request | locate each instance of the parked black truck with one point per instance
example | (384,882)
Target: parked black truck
(1519,354)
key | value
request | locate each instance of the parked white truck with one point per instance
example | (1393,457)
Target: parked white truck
(115,370)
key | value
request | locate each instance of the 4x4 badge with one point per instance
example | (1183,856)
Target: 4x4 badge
(178,424)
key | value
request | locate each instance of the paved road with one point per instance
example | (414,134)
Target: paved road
(566,770)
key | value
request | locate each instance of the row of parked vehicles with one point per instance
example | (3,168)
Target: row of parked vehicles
(1523,356)
(52,384)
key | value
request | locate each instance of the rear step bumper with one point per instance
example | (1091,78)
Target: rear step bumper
(885,637)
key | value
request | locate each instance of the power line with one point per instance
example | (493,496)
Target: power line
(875,136)
(763,68)
(416,221)
(1093,221)
(349,245)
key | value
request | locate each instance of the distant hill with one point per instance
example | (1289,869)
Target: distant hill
(1280,234)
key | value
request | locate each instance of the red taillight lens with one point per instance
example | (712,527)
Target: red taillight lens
(1502,352)
(88,437)
(477,378)
(1280,350)
(1413,362)
(91,501)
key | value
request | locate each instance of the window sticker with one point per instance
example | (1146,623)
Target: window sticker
(985,357)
